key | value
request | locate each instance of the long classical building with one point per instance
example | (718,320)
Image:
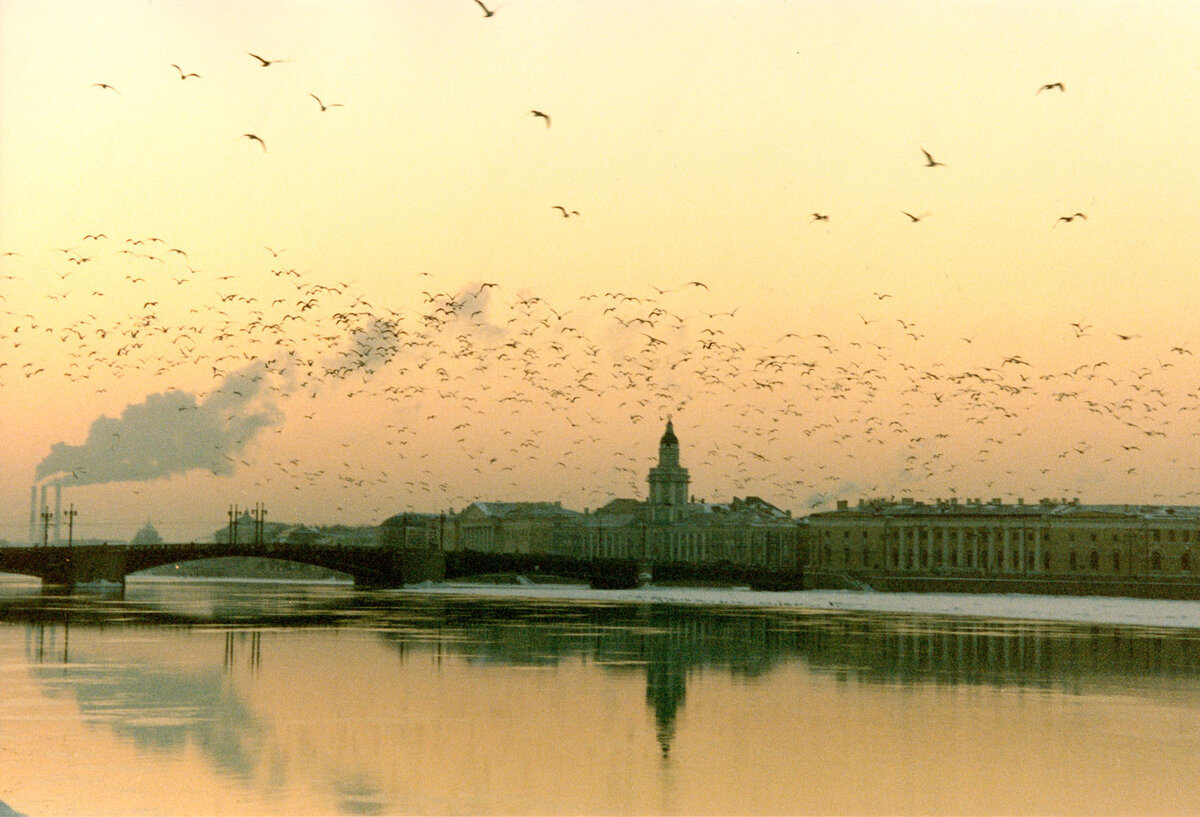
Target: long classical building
(882,543)
(972,537)
(670,526)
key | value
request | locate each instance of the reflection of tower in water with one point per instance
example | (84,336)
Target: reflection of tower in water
(233,639)
(666,687)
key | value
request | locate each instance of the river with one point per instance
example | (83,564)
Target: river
(253,698)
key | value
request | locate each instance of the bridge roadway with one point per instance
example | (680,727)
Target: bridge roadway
(370,565)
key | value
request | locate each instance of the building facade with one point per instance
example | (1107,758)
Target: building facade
(669,527)
(974,538)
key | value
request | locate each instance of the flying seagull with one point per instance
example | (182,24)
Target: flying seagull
(565,212)
(542,115)
(106,85)
(265,62)
(1051,86)
(1071,218)
(820,217)
(915,219)
(325,107)
(183,75)
(255,138)
(929,161)
(486,11)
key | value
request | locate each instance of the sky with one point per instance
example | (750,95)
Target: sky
(338,284)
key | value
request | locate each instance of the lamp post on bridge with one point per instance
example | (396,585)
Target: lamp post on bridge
(260,520)
(46,517)
(71,525)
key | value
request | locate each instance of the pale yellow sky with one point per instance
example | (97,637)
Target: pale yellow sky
(695,140)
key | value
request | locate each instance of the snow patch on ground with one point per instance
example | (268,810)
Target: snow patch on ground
(1083,609)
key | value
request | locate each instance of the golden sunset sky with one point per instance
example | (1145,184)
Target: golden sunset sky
(359,367)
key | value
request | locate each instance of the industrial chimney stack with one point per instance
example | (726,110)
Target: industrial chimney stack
(33,515)
(58,514)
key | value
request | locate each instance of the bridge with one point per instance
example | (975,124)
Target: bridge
(375,565)
(369,565)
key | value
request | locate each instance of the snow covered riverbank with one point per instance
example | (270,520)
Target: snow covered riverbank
(1084,609)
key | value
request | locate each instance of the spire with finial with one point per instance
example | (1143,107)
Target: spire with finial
(668,447)
(668,481)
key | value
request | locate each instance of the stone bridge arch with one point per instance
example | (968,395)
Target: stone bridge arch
(370,566)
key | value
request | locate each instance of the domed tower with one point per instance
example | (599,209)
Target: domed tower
(668,481)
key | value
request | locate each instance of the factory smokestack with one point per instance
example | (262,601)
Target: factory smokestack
(33,512)
(58,514)
(42,506)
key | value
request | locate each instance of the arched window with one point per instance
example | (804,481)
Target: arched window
(1094,560)
(1116,561)
(1155,560)
(1185,560)
(846,556)
(1045,560)
(1073,561)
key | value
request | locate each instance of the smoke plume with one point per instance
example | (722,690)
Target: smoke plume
(168,433)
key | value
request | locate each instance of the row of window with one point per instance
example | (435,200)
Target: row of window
(924,558)
(996,535)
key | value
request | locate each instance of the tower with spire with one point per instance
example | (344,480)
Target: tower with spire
(668,481)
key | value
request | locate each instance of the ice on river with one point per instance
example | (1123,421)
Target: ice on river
(1085,609)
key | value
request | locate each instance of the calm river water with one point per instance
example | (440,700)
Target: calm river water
(186,698)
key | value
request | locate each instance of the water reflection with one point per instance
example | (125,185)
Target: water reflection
(293,684)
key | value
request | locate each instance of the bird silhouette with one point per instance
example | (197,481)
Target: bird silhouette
(265,62)
(542,115)
(1071,218)
(106,85)
(183,75)
(255,138)
(486,11)
(915,219)
(565,212)
(325,107)
(820,217)
(1051,86)
(929,160)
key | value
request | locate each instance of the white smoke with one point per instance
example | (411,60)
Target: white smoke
(168,433)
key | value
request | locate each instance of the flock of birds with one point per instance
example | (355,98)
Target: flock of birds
(263,62)
(484,390)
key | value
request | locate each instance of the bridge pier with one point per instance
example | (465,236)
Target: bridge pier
(395,568)
(86,565)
